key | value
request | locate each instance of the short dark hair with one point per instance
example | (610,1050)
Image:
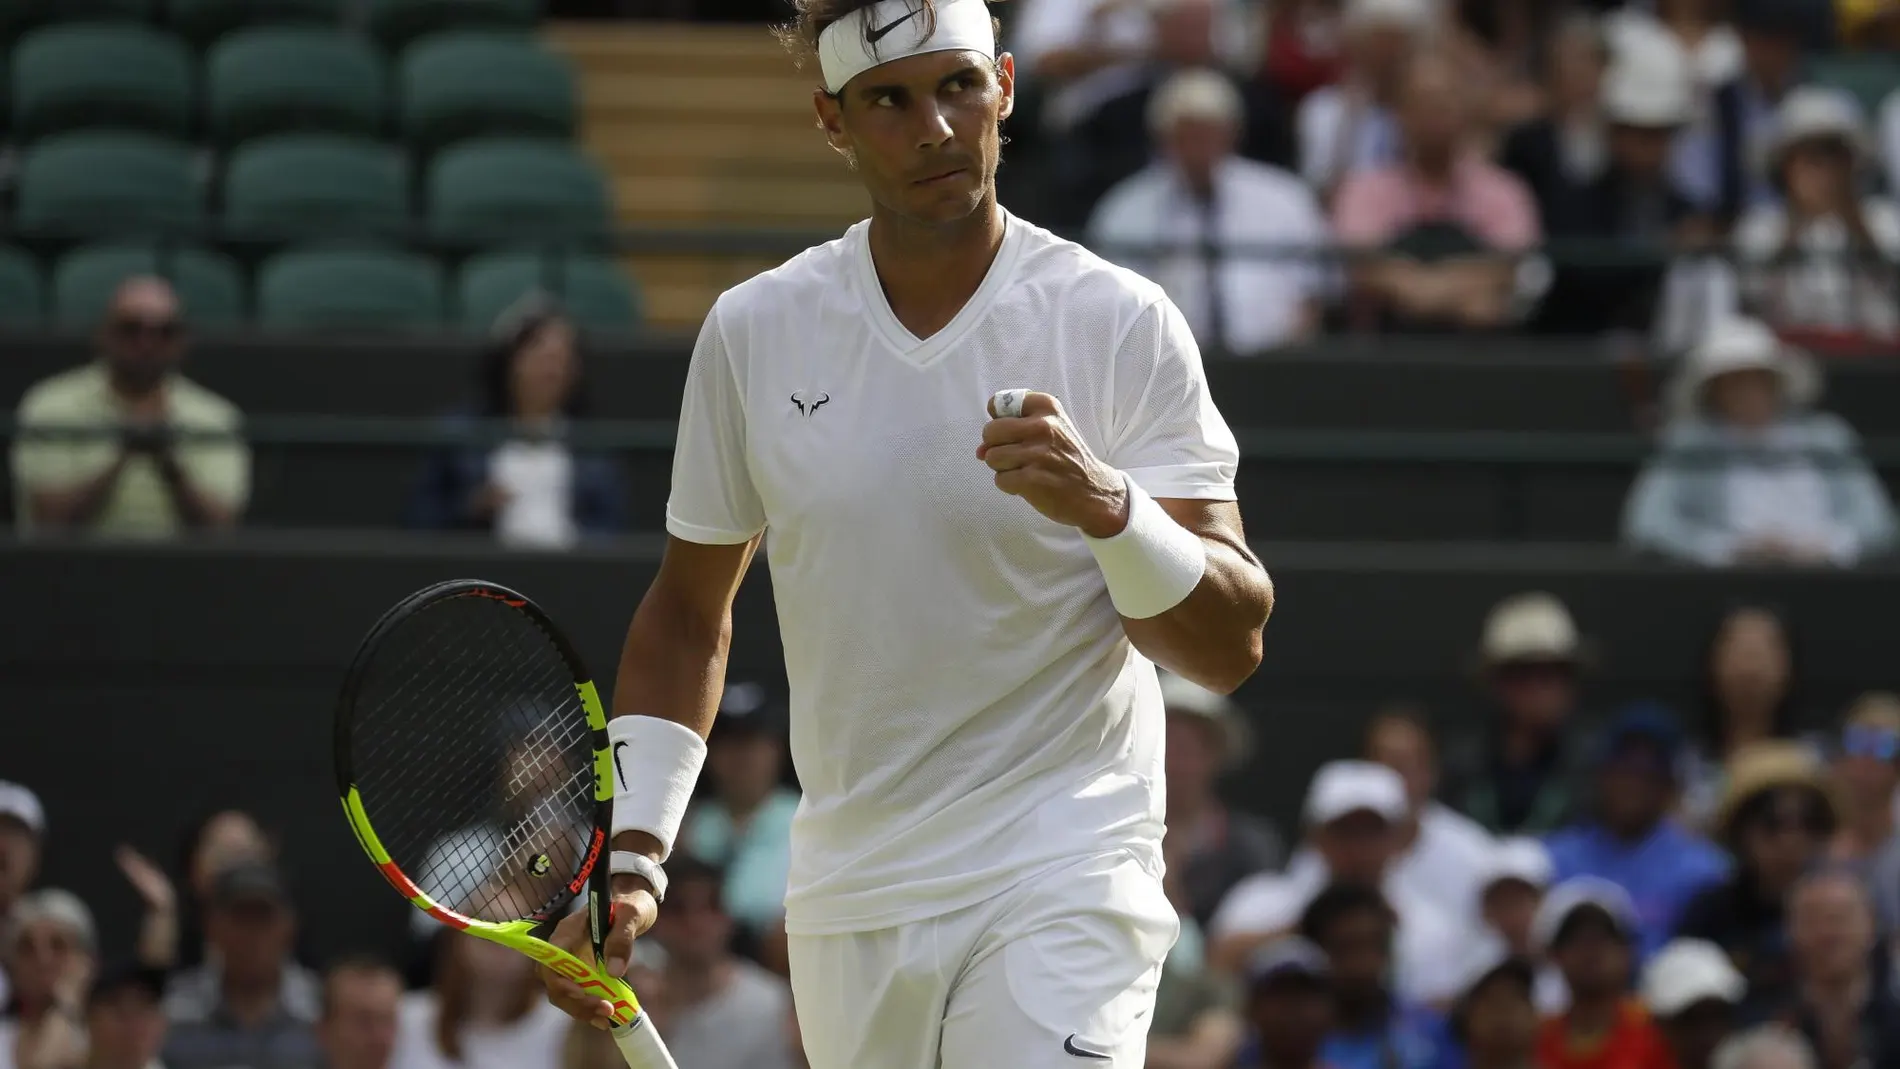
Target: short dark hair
(359,962)
(800,36)
(1338,901)
(684,869)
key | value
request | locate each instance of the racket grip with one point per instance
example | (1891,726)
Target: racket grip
(641,1046)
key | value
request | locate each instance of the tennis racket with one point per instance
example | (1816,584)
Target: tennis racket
(472,759)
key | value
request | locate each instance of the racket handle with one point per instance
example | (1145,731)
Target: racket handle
(640,1044)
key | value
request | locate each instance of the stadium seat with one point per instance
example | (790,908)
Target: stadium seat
(316,185)
(595,292)
(207,20)
(15,14)
(100,74)
(96,182)
(398,22)
(460,85)
(495,189)
(209,283)
(1866,76)
(294,78)
(22,294)
(368,289)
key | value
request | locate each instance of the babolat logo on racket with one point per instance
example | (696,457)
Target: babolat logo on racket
(484,592)
(587,866)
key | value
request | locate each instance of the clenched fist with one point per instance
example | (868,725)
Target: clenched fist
(1037,455)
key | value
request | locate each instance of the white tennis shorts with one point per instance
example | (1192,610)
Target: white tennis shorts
(1058,972)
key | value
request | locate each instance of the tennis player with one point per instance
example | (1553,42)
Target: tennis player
(997,493)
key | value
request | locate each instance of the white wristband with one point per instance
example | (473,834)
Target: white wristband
(629,863)
(656,762)
(1154,563)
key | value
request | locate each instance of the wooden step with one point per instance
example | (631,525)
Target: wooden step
(596,42)
(679,290)
(626,146)
(646,95)
(714,199)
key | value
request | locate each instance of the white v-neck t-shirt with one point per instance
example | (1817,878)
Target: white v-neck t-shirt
(965,708)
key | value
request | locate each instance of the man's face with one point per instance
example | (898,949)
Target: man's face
(1291,1017)
(1593,956)
(1356,847)
(1770,57)
(1501,1020)
(1634,788)
(1509,908)
(1694,1033)
(19,860)
(230,838)
(1193,753)
(694,930)
(1197,145)
(1869,763)
(1359,946)
(1749,399)
(1535,694)
(358,1030)
(746,765)
(1184,33)
(43,953)
(1432,110)
(1379,51)
(1641,151)
(1782,838)
(1830,927)
(125,1029)
(923,132)
(252,938)
(143,335)
(1404,748)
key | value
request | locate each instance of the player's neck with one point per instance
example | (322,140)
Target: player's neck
(930,272)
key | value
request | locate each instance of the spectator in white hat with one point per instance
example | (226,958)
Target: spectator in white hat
(1234,242)
(50,945)
(1768,1046)
(1441,851)
(1210,846)
(22,825)
(1691,989)
(1519,772)
(1821,262)
(1352,124)
(1353,813)
(1748,472)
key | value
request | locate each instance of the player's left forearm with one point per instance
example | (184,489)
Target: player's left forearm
(1213,637)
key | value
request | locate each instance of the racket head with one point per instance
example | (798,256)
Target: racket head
(409,695)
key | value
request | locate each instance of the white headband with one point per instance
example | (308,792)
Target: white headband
(893,29)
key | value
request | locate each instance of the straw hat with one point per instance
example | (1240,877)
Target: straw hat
(1743,344)
(1765,766)
(1533,626)
(1812,112)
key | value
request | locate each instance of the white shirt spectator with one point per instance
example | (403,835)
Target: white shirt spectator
(1264,301)
(1341,131)
(1448,861)
(1428,935)
(741,1027)
(533,1042)
(1820,290)
(537,479)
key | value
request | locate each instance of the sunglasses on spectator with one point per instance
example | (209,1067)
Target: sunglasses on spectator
(133,328)
(1792,811)
(1880,744)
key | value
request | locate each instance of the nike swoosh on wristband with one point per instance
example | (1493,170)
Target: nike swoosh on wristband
(877,33)
(1068,1046)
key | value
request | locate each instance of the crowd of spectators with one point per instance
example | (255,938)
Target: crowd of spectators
(1546,888)
(1682,161)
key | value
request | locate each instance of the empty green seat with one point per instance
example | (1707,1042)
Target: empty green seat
(22,294)
(208,283)
(100,74)
(398,22)
(206,20)
(294,78)
(349,289)
(97,182)
(593,289)
(1866,76)
(501,188)
(316,185)
(460,85)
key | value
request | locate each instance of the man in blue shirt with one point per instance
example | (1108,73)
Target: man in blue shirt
(1632,841)
(1354,926)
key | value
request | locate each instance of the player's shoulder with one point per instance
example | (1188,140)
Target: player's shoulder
(1053,267)
(795,284)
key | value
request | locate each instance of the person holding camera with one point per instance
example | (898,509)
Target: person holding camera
(127,446)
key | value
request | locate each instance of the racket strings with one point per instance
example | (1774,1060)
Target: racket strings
(474,759)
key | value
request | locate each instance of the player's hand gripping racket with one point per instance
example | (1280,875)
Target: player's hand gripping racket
(471,754)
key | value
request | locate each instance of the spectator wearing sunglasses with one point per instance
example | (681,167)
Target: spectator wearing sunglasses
(1866,772)
(1776,819)
(125,465)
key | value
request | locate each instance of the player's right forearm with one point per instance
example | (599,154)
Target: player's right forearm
(673,665)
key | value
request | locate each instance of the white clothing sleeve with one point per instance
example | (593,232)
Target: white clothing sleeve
(713,501)
(1165,431)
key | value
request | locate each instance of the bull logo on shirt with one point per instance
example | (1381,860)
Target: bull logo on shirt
(808,402)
